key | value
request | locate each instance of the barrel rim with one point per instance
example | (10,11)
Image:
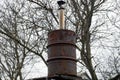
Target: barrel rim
(61,30)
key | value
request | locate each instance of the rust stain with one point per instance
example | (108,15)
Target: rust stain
(61,53)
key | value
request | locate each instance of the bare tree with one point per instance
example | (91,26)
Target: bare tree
(80,17)
(26,24)
(12,54)
(83,13)
(20,37)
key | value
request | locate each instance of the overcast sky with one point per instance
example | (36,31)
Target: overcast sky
(40,69)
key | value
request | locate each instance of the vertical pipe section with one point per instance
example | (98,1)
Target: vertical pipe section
(61,53)
(61,18)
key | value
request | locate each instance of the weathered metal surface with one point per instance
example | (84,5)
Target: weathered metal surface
(61,53)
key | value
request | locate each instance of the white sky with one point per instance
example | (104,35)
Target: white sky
(40,69)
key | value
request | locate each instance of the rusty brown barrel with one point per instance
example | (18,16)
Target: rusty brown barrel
(61,53)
